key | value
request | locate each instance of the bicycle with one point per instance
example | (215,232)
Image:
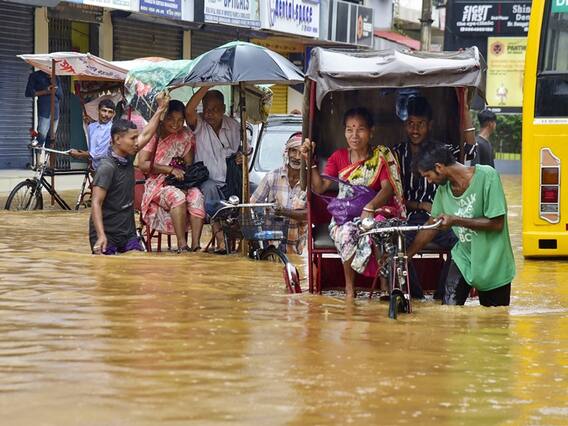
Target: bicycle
(252,222)
(388,240)
(27,195)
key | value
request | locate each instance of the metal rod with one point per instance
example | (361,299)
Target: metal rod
(246,195)
(404,228)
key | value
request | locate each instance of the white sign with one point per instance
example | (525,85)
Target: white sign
(243,13)
(131,5)
(300,17)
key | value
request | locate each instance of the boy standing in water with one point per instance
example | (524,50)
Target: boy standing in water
(111,228)
(471,201)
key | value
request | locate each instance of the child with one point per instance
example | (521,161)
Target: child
(99,135)
(111,227)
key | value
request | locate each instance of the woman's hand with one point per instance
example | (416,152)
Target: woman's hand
(177,173)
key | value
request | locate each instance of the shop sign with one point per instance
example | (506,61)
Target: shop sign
(166,8)
(130,5)
(479,18)
(559,6)
(243,13)
(300,17)
(351,23)
(505,70)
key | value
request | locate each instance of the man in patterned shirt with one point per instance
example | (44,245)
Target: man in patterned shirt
(282,186)
(418,191)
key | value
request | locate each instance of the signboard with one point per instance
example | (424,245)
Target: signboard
(481,18)
(130,5)
(505,70)
(351,23)
(300,17)
(166,8)
(242,13)
(559,6)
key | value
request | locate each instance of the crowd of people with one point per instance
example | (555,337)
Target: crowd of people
(417,180)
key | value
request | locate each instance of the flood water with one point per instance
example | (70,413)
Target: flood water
(165,339)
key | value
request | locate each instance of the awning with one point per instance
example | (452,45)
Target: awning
(85,66)
(398,38)
(342,70)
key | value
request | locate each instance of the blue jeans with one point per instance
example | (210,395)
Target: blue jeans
(43,127)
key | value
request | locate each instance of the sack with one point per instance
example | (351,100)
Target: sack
(345,210)
(195,175)
(234,178)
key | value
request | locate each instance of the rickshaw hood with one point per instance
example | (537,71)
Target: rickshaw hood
(342,70)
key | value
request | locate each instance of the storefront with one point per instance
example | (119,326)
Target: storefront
(16,111)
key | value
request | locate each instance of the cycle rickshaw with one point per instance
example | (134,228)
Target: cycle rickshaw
(93,77)
(338,80)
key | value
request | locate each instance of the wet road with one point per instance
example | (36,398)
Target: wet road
(146,339)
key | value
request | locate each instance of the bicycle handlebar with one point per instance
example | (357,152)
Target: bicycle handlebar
(404,228)
(227,205)
(55,151)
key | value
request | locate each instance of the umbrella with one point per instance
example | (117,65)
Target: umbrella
(240,62)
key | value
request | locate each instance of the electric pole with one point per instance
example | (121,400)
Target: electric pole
(426,26)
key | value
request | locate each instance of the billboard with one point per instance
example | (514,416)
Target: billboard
(351,23)
(166,8)
(489,18)
(505,71)
(299,17)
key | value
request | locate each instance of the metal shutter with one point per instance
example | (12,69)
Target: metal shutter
(16,111)
(202,41)
(279,99)
(138,39)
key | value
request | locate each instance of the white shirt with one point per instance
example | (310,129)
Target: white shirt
(212,149)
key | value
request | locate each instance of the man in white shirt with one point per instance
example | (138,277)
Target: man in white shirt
(217,137)
(99,135)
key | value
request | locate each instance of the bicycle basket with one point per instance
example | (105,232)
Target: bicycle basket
(260,224)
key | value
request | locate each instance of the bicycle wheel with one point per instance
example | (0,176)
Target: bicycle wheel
(25,196)
(272,254)
(291,278)
(397,304)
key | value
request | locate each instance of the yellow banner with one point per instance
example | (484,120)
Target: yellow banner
(505,70)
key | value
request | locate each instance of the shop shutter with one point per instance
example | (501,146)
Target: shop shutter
(279,99)
(203,41)
(16,111)
(138,39)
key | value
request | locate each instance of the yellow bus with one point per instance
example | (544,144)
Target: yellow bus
(545,131)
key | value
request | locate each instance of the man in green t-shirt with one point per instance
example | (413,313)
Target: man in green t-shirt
(471,201)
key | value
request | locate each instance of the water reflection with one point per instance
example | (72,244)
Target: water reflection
(146,339)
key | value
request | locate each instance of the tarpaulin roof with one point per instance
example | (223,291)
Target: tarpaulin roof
(342,70)
(85,66)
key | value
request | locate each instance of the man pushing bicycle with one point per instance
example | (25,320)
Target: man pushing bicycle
(471,201)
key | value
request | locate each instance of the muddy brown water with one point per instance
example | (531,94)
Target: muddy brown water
(200,339)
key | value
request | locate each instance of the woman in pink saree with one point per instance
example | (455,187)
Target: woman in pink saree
(166,208)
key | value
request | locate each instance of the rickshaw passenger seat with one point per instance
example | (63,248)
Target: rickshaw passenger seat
(321,237)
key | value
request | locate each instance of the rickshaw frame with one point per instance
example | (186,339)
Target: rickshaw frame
(332,71)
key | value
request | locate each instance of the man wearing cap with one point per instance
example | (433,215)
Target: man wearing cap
(282,186)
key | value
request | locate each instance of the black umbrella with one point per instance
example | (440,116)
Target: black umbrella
(240,62)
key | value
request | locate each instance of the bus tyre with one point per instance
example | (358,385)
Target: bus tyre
(25,196)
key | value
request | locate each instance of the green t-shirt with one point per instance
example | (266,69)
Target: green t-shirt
(485,258)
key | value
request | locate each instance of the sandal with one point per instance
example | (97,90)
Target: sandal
(220,251)
(183,249)
(198,248)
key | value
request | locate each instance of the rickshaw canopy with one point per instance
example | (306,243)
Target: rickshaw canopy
(343,70)
(85,66)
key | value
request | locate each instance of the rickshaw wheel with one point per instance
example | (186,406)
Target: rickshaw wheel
(291,279)
(21,197)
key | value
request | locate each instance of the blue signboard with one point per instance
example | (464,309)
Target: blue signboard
(167,8)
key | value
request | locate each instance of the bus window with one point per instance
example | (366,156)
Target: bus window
(552,79)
